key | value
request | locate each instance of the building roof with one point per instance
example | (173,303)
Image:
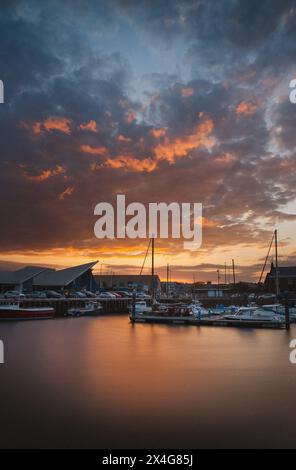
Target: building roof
(127,277)
(21,275)
(62,277)
(283,272)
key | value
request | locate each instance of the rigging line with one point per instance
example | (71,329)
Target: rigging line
(266,259)
(147,251)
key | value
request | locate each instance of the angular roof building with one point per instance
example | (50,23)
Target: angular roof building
(20,279)
(41,278)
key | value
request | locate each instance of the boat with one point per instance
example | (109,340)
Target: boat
(89,309)
(16,312)
(255,314)
(280,310)
(142,307)
(198,310)
(173,313)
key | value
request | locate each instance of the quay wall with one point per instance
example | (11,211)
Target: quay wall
(61,306)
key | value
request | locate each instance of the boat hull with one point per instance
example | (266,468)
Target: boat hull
(8,314)
(84,312)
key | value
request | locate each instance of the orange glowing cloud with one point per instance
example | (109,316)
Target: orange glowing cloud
(45,174)
(157,133)
(130,163)
(68,191)
(245,109)
(122,138)
(187,91)
(225,159)
(34,129)
(90,126)
(129,116)
(173,148)
(60,124)
(268,82)
(100,151)
(169,149)
(208,223)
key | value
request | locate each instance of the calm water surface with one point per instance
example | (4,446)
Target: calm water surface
(101,382)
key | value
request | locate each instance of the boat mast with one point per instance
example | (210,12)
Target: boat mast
(152,270)
(277,286)
(233,272)
(266,259)
(167,281)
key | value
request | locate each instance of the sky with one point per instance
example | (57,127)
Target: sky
(163,101)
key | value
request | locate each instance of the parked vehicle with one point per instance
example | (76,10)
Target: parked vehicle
(13,294)
(142,295)
(78,295)
(107,295)
(125,294)
(36,295)
(118,296)
(89,294)
(267,296)
(51,294)
(252,297)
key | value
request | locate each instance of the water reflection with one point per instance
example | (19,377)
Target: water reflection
(106,383)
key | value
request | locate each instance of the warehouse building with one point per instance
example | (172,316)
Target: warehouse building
(129,281)
(286,276)
(42,278)
(20,280)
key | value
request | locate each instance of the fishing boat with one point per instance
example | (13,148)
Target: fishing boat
(16,312)
(89,309)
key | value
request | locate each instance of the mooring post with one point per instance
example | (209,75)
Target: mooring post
(134,307)
(287,311)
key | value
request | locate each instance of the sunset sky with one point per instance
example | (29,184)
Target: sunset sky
(184,101)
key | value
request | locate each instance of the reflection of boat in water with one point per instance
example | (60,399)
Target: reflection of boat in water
(255,314)
(89,309)
(16,312)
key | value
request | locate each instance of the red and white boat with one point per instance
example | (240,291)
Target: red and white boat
(15,312)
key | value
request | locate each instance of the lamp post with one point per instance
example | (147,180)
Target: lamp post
(218,274)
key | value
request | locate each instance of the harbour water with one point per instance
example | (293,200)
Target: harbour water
(102,382)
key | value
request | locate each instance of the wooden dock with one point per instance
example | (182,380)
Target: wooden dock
(211,321)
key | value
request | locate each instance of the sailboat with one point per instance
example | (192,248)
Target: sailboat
(158,313)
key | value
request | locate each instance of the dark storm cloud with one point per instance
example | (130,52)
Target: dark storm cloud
(73,134)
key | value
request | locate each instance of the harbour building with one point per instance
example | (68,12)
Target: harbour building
(286,278)
(41,278)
